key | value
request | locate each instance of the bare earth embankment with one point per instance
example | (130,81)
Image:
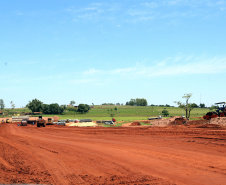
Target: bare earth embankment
(121,155)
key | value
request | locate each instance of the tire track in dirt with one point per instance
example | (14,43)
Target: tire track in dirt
(113,156)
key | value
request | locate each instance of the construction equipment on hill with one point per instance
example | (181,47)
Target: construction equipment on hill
(41,122)
(220,111)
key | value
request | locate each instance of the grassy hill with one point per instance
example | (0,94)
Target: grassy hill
(123,113)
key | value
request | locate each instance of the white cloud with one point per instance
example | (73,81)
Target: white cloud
(171,66)
(170,10)
(92,72)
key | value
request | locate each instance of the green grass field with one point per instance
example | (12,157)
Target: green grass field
(123,113)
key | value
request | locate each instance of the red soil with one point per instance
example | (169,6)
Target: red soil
(118,155)
(135,123)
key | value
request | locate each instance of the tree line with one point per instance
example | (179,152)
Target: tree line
(137,102)
(54,108)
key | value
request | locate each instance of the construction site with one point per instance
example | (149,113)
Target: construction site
(44,150)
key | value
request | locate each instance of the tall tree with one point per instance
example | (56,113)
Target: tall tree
(2,105)
(83,108)
(35,105)
(202,105)
(72,102)
(187,97)
(138,102)
(12,104)
(185,106)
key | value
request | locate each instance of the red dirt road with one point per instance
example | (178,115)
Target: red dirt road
(146,155)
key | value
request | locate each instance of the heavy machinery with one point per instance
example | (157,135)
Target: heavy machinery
(220,111)
(23,122)
(50,121)
(41,122)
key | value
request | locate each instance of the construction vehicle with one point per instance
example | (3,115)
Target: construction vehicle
(220,111)
(152,118)
(50,121)
(23,122)
(41,122)
(32,122)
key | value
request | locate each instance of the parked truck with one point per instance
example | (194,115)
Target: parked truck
(41,122)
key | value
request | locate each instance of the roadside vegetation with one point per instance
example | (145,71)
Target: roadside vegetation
(135,109)
(122,113)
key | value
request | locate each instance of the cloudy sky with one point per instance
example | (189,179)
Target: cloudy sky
(112,51)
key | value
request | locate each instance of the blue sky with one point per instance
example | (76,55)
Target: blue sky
(112,51)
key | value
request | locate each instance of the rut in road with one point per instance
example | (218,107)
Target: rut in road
(58,155)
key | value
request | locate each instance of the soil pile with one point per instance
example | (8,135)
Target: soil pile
(178,121)
(56,118)
(218,120)
(135,123)
(165,122)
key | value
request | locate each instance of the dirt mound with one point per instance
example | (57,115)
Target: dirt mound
(135,123)
(56,118)
(178,121)
(219,120)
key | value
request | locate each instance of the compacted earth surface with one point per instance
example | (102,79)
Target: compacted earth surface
(178,154)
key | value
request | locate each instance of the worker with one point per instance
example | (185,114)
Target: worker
(223,109)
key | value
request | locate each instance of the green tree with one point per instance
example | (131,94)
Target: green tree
(12,104)
(213,107)
(53,108)
(83,108)
(35,105)
(64,106)
(194,105)
(202,105)
(45,109)
(72,103)
(132,102)
(138,102)
(141,102)
(190,107)
(185,106)
(2,105)
(112,112)
(165,112)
